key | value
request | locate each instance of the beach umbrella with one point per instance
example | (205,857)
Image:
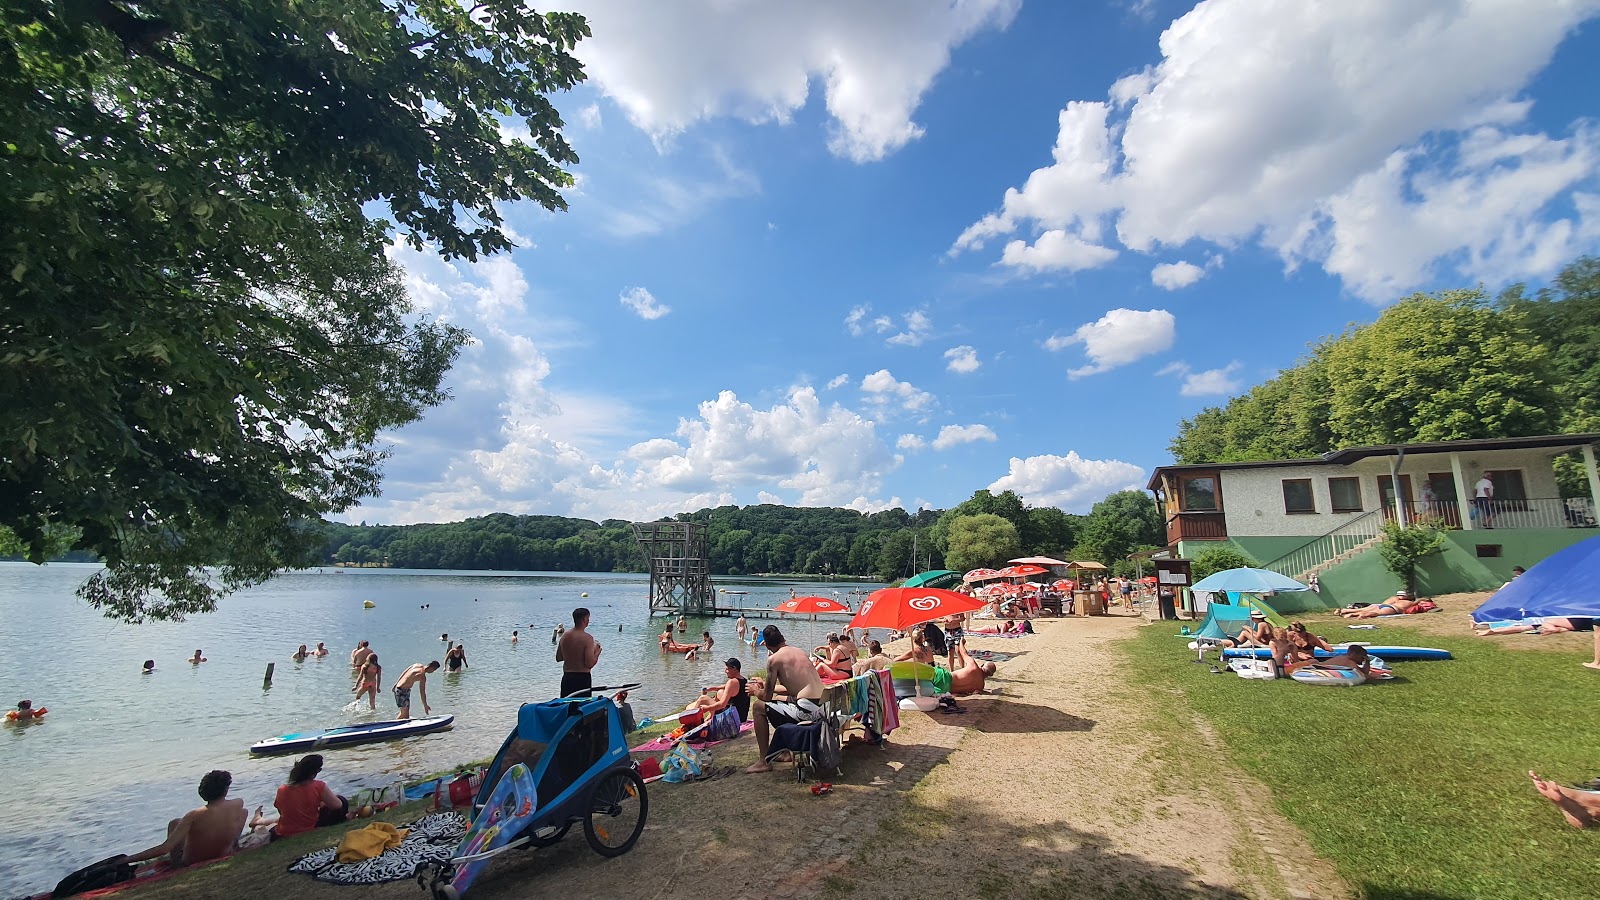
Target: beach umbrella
(900,608)
(1038,561)
(1022,571)
(934,578)
(1148,579)
(981,575)
(1065,584)
(1248,581)
(809,605)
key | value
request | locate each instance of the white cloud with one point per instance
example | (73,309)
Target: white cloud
(649,200)
(589,117)
(1069,482)
(918,326)
(955,435)
(1172,276)
(837,381)
(910,442)
(1374,138)
(757,61)
(881,390)
(962,360)
(1209,383)
(769,498)
(1119,337)
(645,305)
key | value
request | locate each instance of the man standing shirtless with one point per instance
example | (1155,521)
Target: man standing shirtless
(415,675)
(202,834)
(790,667)
(578,652)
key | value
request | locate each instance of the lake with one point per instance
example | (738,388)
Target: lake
(122,752)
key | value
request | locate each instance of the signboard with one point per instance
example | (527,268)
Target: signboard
(1172,576)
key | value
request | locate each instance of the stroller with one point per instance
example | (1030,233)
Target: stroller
(566,762)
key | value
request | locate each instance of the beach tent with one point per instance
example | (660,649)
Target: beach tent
(1224,620)
(1564,584)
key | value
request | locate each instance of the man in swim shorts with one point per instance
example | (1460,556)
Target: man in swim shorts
(1551,625)
(577,652)
(790,667)
(969,674)
(1400,604)
(415,675)
(202,834)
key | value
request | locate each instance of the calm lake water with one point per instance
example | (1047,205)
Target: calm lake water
(122,752)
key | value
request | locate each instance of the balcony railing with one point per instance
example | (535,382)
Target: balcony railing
(1538,512)
(1197,526)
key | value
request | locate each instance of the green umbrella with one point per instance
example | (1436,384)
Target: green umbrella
(934,578)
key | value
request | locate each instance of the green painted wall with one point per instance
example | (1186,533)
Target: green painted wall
(1267,549)
(1458,569)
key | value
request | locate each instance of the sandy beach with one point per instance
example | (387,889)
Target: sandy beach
(1065,782)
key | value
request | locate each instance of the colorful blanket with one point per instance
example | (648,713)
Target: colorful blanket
(665,743)
(431,839)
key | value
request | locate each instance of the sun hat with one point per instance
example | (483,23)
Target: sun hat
(1257,614)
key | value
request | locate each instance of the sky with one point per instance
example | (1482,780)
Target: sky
(886,254)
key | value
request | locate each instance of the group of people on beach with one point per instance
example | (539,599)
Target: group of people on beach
(1294,646)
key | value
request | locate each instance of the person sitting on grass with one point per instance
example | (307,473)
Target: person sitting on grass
(306,803)
(1551,625)
(735,692)
(1400,604)
(838,657)
(1303,645)
(202,834)
(876,659)
(1580,808)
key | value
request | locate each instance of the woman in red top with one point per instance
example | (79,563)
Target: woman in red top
(306,803)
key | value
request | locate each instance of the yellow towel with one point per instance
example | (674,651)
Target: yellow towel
(370,842)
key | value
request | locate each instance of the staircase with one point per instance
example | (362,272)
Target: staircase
(1322,553)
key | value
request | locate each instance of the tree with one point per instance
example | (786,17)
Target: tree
(1119,524)
(1050,531)
(202,335)
(1221,558)
(1405,546)
(981,540)
(1006,504)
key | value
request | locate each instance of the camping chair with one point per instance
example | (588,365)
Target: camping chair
(814,746)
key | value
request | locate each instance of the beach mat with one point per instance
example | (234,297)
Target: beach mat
(665,743)
(432,839)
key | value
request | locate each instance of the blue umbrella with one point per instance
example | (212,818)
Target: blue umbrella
(1566,583)
(1248,581)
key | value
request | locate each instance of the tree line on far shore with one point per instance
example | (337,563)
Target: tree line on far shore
(985,530)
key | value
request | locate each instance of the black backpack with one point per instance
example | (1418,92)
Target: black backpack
(105,873)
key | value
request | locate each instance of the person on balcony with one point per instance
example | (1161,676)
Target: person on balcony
(1483,501)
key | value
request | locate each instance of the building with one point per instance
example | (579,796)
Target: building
(1323,516)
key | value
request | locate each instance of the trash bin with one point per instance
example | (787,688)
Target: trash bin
(1165,606)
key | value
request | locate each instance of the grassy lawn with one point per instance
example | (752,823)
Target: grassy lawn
(1415,788)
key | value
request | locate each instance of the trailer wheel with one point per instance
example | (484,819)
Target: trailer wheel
(618,807)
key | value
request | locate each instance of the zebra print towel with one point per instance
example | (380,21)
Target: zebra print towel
(433,839)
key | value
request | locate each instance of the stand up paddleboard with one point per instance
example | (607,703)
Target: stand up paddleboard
(510,808)
(350,735)
(1387,652)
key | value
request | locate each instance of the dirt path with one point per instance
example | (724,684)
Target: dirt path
(1067,784)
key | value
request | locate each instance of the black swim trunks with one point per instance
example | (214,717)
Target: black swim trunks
(573,682)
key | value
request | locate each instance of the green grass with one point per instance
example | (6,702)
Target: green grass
(1415,788)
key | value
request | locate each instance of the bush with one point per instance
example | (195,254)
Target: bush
(1219,559)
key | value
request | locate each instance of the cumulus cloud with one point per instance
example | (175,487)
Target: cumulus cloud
(837,381)
(1172,276)
(955,435)
(962,360)
(643,304)
(1069,482)
(1376,139)
(1119,337)
(918,325)
(914,331)
(1207,383)
(910,442)
(883,391)
(757,61)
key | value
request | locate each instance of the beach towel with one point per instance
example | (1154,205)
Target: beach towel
(665,743)
(431,840)
(369,842)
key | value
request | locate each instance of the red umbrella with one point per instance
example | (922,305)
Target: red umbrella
(1065,584)
(1022,571)
(901,608)
(804,605)
(981,575)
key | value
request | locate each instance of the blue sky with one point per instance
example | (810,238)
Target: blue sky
(887,254)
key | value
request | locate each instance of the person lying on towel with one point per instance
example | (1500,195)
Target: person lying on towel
(1402,603)
(968,676)
(202,834)
(1552,625)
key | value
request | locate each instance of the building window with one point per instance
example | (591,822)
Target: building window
(1510,495)
(1297,496)
(1200,494)
(1489,551)
(1345,494)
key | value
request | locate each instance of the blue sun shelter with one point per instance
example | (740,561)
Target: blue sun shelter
(1566,583)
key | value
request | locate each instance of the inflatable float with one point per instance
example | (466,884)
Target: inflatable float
(1385,651)
(675,647)
(350,735)
(1328,675)
(12,716)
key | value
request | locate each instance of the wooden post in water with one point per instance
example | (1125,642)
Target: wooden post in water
(266,682)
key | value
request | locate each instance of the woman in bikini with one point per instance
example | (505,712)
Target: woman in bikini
(367,681)
(1400,604)
(836,662)
(1303,645)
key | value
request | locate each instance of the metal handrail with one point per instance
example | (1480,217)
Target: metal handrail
(1341,539)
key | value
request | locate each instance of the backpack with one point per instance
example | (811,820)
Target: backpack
(105,873)
(828,754)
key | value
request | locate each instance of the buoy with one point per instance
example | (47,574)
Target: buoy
(367,604)
(585,593)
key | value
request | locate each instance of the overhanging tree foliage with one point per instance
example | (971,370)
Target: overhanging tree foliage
(201,337)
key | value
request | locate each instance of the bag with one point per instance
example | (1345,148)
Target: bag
(1423,606)
(684,763)
(828,754)
(724,725)
(105,873)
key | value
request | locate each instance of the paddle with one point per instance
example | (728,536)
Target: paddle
(604,687)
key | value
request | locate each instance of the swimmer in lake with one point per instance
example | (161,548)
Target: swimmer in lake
(197,658)
(149,666)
